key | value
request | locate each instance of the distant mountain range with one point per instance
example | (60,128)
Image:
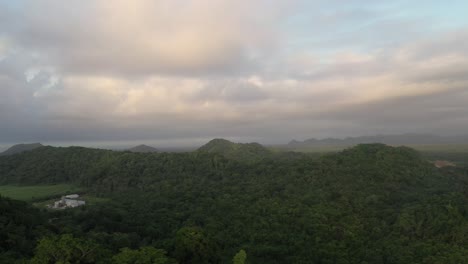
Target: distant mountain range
(403,139)
(253,150)
(142,149)
(19,148)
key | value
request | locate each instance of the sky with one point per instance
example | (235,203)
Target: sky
(180,72)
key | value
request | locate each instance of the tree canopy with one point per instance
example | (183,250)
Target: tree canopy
(368,204)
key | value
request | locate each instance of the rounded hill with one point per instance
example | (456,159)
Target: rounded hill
(237,151)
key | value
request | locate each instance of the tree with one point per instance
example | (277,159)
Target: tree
(240,257)
(144,255)
(68,249)
(192,246)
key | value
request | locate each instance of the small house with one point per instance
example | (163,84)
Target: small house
(67,201)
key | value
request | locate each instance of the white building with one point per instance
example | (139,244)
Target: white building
(68,201)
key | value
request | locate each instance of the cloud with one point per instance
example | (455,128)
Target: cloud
(189,69)
(430,113)
(237,91)
(146,37)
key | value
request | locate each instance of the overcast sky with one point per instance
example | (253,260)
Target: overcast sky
(184,71)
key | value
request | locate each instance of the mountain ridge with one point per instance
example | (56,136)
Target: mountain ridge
(19,148)
(397,139)
(238,151)
(142,149)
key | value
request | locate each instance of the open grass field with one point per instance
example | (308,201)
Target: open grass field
(38,192)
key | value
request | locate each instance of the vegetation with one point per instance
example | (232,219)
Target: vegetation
(444,150)
(240,257)
(367,204)
(144,255)
(142,149)
(247,152)
(67,249)
(37,192)
(20,148)
(20,226)
(457,157)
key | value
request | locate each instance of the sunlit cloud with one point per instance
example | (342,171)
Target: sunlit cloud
(266,70)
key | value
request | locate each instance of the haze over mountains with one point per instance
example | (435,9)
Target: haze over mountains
(227,147)
(403,139)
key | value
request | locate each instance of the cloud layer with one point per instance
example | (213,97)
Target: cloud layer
(268,71)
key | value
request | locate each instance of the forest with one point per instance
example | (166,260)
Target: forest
(239,203)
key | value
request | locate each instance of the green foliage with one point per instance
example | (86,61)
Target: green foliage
(368,204)
(192,246)
(20,148)
(20,225)
(49,165)
(144,255)
(68,249)
(36,192)
(246,152)
(240,257)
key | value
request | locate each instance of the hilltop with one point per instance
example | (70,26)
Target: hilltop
(236,151)
(19,148)
(142,149)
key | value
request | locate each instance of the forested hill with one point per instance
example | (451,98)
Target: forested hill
(246,152)
(87,166)
(368,204)
(364,166)
(52,165)
(19,148)
(142,149)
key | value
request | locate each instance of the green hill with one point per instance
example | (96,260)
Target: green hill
(143,149)
(237,151)
(19,148)
(50,165)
